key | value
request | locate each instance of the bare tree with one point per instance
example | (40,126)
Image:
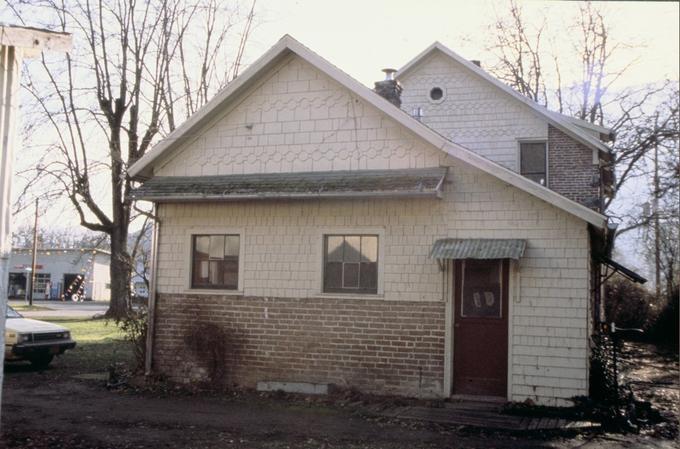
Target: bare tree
(140,252)
(632,114)
(641,128)
(56,238)
(518,50)
(138,68)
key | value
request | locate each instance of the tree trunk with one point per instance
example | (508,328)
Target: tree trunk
(120,274)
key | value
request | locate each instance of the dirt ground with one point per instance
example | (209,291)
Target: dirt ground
(54,409)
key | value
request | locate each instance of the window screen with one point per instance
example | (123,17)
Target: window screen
(533,161)
(350,264)
(215,260)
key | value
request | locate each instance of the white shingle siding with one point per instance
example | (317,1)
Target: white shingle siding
(282,256)
(473,113)
(300,120)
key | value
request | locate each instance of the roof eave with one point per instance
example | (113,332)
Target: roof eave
(542,192)
(433,193)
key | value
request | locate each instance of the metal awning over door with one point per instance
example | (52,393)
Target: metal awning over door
(478,249)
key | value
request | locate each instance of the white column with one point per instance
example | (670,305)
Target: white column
(10,59)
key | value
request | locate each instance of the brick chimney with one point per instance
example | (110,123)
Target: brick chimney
(389,88)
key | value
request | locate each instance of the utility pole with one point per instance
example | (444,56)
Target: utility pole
(35,254)
(657,237)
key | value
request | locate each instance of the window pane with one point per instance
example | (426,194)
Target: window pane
(352,251)
(200,272)
(201,246)
(350,278)
(482,288)
(334,248)
(333,276)
(533,158)
(230,267)
(231,245)
(216,275)
(539,178)
(216,246)
(369,248)
(369,277)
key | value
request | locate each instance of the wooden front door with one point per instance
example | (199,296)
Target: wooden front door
(480,327)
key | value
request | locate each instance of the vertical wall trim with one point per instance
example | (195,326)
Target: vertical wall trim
(151,328)
(448,329)
(513,297)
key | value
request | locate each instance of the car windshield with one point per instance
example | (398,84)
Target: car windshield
(11,313)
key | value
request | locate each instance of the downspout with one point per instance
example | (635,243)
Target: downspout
(151,324)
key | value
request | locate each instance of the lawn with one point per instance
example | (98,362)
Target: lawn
(100,343)
(27,308)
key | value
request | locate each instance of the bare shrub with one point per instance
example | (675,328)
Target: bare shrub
(628,304)
(210,343)
(135,326)
(666,328)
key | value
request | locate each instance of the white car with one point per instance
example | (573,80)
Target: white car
(33,340)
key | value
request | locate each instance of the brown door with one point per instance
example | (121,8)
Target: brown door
(480,329)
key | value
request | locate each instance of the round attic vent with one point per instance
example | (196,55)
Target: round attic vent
(436,94)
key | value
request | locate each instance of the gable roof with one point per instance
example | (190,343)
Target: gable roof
(285,46)
(565,124)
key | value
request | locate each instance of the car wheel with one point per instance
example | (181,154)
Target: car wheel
(41,361)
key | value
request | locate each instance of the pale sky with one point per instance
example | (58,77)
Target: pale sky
(361,37)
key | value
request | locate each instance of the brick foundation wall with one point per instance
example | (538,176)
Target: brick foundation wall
(375,346)
(571,171)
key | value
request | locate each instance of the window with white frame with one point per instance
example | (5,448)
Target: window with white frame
(534,161)
(350,263)
(215,261)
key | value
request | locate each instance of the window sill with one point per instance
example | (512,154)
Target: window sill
(374,296)
(213,292)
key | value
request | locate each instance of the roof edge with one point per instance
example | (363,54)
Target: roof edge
(139,169)
(287,43)
(527,185)
(551,117)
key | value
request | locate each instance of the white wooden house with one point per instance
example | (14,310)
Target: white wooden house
(439,235)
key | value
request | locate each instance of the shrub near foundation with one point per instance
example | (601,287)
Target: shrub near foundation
(210,343)
(135,327)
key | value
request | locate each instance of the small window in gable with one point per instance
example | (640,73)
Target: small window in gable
(533,161)
(436,94)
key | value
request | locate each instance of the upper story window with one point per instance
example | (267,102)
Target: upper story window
(350,264)
(214,261)
(533,161)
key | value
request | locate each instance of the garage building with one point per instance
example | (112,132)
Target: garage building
(61,274)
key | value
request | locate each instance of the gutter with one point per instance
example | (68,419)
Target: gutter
(151,323)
